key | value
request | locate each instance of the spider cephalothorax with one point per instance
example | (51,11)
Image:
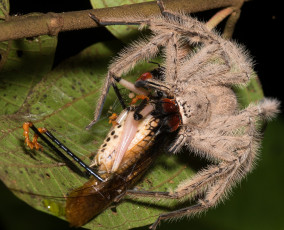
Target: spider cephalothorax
(199,81)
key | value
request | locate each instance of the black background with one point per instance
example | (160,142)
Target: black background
(259,29)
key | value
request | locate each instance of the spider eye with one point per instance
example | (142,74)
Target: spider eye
(158,73)
(158,94)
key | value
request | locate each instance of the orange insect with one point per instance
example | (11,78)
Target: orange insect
(126,153)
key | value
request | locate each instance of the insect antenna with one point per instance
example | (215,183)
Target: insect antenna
(64,148)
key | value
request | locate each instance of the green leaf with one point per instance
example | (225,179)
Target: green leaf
(124,33)
(252,92)
(23,63)
(4,8)
(63,101)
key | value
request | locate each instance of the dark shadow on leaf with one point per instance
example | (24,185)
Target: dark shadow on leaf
(64,159)
(163,207)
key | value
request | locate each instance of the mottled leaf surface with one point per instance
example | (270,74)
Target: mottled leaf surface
(63,101)
(23,63)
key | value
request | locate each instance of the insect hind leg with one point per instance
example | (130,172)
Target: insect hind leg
(39,132)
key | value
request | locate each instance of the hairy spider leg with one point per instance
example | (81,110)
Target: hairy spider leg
(217,179)
(118,69)
(109,81)
(137,52)
(149,49)
(38,133)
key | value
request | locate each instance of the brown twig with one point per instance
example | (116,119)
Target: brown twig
(31,25)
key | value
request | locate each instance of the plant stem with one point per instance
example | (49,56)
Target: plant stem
(36,24)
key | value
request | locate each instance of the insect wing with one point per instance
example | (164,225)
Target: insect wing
(93,197)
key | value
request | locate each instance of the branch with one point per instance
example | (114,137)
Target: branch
(31,25)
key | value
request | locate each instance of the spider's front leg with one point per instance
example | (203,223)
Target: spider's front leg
(215,181)
(235,155)
(139,51)
(214,194)
(111,76)
(232,152)
(127,59)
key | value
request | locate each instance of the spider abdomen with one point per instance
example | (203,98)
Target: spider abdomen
(223,100)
